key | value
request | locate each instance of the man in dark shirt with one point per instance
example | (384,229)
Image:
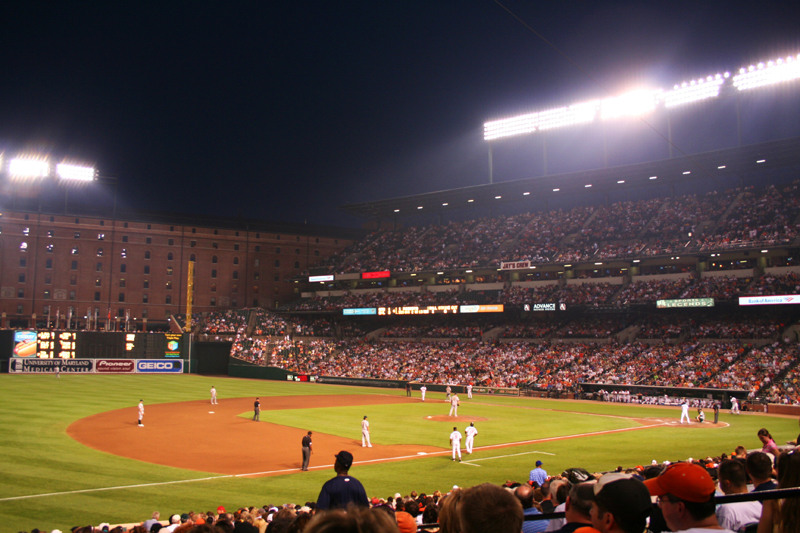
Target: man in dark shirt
(256,410)
(344,489)
(307,451)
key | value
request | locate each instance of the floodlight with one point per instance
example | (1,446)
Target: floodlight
(653,177)
(75,172)
(769,74)
(556,190)
(687,172)
(526,194)
(445,204)
(497,197)
(632,104)
(24,167)
(694,91)
(544,120)
(396,210)
(419,207)
(470,201)
(721,167)
(588,185)
(621,181)
(761,161)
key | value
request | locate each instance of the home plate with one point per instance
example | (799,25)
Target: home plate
(211,412)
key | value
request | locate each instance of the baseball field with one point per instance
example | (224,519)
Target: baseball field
(74,455)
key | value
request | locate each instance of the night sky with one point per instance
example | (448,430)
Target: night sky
(285,110)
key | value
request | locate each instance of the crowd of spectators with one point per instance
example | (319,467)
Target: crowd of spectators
(225,322)
(625,229)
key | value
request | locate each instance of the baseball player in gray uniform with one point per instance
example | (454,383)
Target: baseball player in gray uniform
(454,405)
(141,413)
(365,443)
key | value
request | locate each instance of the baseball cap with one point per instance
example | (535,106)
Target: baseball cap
(345,458)
(686,481)
(622,494)
(406,522)
(220,509)
(538,463)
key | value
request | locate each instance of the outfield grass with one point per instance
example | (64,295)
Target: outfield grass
(43,468)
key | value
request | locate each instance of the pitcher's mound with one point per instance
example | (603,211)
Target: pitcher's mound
(459,419)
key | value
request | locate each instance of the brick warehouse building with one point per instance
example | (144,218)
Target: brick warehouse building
(137,262)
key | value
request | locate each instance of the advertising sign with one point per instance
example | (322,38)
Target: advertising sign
(360,311)
(24,344)
(685,302)
(174,341)
(159,366)
(49,366)
(115,366)
(514,265)
(783,299)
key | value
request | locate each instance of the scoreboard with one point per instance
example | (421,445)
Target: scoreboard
(100,345)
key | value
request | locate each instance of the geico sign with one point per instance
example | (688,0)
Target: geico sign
(167,365)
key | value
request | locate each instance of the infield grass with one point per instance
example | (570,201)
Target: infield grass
(43,469)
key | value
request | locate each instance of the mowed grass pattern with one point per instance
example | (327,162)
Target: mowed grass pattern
(42,468)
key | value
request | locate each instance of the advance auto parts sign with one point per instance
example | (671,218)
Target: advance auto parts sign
(115,366)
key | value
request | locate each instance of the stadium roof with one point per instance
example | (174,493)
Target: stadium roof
(743,162)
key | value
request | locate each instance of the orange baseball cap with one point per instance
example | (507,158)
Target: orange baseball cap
(686,481)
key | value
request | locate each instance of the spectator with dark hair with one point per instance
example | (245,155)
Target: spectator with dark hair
(524,493)
(768,442)
(733,480)
(488,508)
(783,516)
(686,497)
(621,504)
(449,519)
(759,468)
(342,489)
(578,508)
(355,520)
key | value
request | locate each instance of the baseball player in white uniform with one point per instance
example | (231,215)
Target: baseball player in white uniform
(469,391)
(685,412)
(141,413)
(213,396)
(448,391)
(365,443)
(455,442)
(423,390)
(734,406)
(470,432)
(454,405)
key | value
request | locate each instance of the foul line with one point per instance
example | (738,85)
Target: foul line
(112,488)
(504,456)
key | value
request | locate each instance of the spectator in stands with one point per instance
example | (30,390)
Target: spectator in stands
(686,497)
(174,522)
(768,442)
(759,468)
(621,504)
(783,516)
(153,519)
(488,508)
(342,489)
(733,480)
(524,493)
(355,520)
(578,508)
(449,519)
(559,489)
